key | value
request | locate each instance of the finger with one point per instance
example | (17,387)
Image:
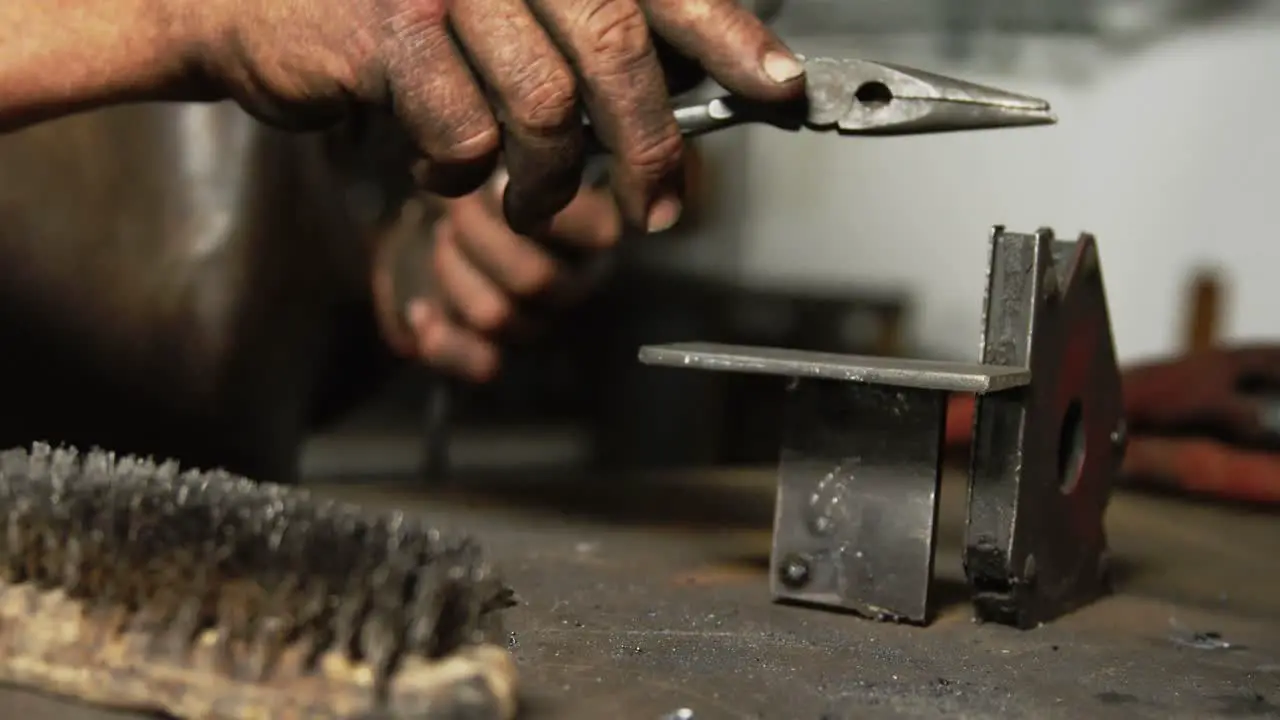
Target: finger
(450,348)
(391,321)
(681,72)
(626,97)
(511,263)
(537,95)
(437,100)
(479,302)
(735,47)
(1204,467)
(590,221)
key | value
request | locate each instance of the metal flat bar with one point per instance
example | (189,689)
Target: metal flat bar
(856,518)
(864,369)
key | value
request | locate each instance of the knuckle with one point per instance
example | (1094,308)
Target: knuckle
(412,20)
(411,31)
(736,23)
(545,99)
(617,33)
(655,154)
(477,138)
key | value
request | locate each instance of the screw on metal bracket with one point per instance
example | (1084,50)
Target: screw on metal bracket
(794,571)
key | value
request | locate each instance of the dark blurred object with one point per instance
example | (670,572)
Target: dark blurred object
(182,281)
(585,370)
(834,320)
(1206,424)
(683,73)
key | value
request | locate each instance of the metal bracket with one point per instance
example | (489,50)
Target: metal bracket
(861,462)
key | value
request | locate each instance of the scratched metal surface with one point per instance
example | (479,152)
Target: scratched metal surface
(642,598)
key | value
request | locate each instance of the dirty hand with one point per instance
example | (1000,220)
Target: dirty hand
(438,63)
(484,280)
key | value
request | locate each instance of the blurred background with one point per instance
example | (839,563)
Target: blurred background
(1167,151)
(185,281)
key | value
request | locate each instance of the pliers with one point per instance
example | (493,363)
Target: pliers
(863,97)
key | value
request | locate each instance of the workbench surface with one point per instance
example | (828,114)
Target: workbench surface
(644,597)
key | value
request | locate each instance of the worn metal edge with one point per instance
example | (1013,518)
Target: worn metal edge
(865,369)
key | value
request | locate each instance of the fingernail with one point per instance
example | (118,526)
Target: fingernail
(417,313)
(500,180)
(664,214)
(782,67)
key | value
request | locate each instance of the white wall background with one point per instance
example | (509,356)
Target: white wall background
(1169,153)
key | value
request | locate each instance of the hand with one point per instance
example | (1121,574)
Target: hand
(483,280)
(305,60)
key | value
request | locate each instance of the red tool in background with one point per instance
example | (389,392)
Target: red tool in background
(1207,423)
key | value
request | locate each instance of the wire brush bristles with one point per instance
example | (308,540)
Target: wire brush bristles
(173,555)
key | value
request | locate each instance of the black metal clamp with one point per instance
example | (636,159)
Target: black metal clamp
(861,462)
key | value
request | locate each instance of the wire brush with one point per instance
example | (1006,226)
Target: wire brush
(133,584)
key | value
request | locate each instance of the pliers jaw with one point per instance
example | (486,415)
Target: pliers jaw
(861,97)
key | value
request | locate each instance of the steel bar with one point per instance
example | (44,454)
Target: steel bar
(867,370)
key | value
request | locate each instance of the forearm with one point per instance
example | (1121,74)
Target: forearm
(62,56)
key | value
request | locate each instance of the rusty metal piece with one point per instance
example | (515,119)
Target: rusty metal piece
(1229,394)
(856,519)
(1204,311)
(1044,457)
(1207,424)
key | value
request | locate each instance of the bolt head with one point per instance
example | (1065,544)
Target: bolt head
(1120,436)
(795,571)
